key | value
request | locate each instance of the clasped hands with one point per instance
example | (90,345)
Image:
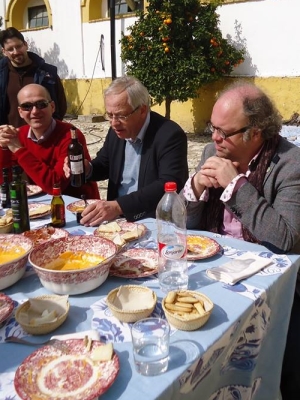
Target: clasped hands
(99,211)
(9,138)
(215,172)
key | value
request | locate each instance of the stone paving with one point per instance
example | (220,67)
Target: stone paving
(95,133)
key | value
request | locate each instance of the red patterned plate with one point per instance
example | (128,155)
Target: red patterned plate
(33,190)
(135,263)
(79,205)
(138,230)
(6,307)
(42,235)
(50,373)
(200,247)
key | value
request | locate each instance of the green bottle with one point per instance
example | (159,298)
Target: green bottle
(19,203)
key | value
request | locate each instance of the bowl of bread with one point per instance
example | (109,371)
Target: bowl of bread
(187,310)
(43,314)
(121,231)
(73,264)
(6,222)
(130,303)
(14,251)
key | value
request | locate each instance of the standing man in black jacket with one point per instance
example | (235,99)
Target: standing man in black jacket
(19,68)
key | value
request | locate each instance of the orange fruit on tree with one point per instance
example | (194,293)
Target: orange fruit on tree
(167,50)
(167,21)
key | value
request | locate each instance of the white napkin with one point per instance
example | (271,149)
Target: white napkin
(93,334)
(239,268)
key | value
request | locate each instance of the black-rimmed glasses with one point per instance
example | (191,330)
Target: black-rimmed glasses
(40,105)
(121,118)
(211,128)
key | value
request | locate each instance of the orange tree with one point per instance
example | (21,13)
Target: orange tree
(175,47)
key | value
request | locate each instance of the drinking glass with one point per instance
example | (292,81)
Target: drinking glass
(150,340)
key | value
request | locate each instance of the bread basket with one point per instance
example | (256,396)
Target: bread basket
(52,302)
(137,293)
(187,321)
(7,228)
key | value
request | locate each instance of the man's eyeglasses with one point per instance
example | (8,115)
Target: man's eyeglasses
(40,105)
(121,118)
(211,128)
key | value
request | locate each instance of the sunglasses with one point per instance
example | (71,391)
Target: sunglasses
(40,105)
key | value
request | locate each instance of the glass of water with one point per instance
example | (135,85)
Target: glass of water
(150,340)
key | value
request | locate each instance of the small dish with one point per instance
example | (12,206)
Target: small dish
(79,205)
(33,319)
(130,303)
(186,319)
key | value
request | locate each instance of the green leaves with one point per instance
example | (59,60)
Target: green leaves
(176,47)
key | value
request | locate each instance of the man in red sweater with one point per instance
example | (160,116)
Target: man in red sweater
(41,146)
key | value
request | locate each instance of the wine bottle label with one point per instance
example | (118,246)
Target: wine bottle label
(172,251)
(76,167)
(78,157)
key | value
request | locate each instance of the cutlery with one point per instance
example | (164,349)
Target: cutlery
(51,342)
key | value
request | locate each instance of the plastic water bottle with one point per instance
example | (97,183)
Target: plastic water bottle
(171,238)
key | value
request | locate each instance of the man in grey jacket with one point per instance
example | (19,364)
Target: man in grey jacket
(247,186)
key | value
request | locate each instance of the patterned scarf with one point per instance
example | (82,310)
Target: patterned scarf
(213,212)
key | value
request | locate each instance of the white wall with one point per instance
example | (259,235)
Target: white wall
(269,29)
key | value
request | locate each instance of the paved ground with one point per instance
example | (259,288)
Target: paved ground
(95,133)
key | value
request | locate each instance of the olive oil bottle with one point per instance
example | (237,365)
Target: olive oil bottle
(57,208)
(19,202)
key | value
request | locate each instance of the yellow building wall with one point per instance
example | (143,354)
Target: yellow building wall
(86,98)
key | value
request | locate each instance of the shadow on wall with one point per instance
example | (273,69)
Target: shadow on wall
(52,57)
(202,105)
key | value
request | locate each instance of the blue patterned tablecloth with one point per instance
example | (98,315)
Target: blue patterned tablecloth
(237,354)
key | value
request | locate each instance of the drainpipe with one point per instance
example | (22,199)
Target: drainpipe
(112,39)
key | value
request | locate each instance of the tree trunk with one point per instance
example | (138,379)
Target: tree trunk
(168,107)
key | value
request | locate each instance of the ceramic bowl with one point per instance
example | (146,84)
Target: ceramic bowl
(12,271)
(28,313)
(73,281)
(187,321)
(136,295)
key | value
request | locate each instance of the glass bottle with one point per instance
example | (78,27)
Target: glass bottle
(76,160)
(171,238)
(19,203)
(58,215)
(5,195)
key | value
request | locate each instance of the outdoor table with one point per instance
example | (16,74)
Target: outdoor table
(236,354)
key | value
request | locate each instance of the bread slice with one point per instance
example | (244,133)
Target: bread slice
(103,353)
(111,227)
(130,235)
(39,210)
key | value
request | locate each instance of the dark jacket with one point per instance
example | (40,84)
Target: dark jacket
(163,159)
(38,72)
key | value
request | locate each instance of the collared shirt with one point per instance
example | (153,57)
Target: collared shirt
(45,135)
(231,225)
(132,161)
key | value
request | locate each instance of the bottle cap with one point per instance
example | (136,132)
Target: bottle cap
(170,186)
(56,191)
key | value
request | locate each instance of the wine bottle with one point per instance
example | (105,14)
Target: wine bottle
(5,195)
(76,160)
(19,203)
(57,208)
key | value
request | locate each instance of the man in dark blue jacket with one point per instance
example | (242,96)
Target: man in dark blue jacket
(19,68)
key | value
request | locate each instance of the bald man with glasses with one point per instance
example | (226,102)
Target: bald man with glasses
(141,152)
(40,147)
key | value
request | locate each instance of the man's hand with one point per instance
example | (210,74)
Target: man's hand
(67,170)
(219,171)
(94,214)
(9,137)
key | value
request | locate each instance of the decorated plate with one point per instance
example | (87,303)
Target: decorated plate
(50,373)
(33,190)
(79,205)
(42,235)
(135,263)
(200,247)
(6,307)
(38,210)
(125,232)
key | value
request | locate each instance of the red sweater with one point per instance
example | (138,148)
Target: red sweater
(43,163)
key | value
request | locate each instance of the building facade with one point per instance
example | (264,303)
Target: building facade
(75,35)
